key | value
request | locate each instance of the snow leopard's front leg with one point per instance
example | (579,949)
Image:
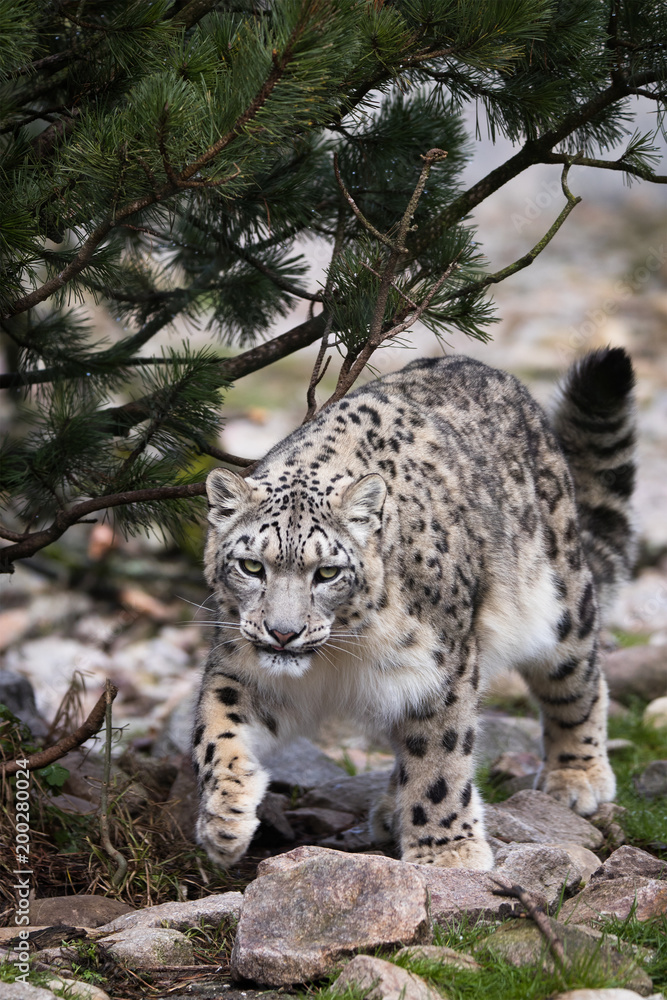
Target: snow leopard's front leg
(439,813)
(231,781)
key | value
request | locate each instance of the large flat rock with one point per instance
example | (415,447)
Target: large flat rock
(305,913)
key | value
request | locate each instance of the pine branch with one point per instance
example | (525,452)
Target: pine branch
(278,281)
(622,165)
(193,12)
(33,541)
(177,182)
(533,151)
(119,420)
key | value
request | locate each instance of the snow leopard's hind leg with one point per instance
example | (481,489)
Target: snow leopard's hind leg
(572,694)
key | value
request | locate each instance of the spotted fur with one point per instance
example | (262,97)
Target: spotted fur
(387,558)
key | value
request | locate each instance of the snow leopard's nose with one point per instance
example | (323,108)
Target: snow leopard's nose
(282,638)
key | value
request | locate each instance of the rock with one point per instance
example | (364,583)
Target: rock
(51,662)
(157,775)
(150,947)
(630,861)
(587,861)
(178,810)
(78,989)
(500,734)
(639,671)
(16,692)
(652,782)
(271,812)
(615,898)
(455,892)
(440,954)
(24,991)
(515,764)
(655,713)
(14,624)
(352,793)
(520,942)
(86,773)
(81,910)
(176,734)
(72,804)
(288,860)
(301,764)
(380,980)
(357,839)
(531,816)
(549,871)
(180,916)
(619,745)
(320,822)
(507,686)
(306,912)
(605,819)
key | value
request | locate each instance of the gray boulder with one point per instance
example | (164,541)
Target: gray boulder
(304,913)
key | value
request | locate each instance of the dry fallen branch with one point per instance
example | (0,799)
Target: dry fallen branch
(89,728)
(537,915)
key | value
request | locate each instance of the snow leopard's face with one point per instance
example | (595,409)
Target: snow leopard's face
(294,567)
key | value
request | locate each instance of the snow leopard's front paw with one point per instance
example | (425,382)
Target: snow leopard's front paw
(225,839)
(228,814)
(580,790)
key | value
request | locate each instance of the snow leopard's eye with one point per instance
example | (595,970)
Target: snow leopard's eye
(326,573)
(252,567)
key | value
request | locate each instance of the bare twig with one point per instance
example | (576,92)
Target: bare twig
(121,862)
(87,729)
(528,258)
(355,361)
(621,165)
(318,372)
(357,211)
(537,915)
(349,377)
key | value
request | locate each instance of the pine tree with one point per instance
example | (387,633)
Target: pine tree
(168,158)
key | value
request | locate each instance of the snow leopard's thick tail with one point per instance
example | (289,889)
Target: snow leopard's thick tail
(595,422)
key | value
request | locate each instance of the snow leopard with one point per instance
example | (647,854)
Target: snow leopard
(384,560)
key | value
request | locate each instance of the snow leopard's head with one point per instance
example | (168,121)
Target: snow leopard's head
(294,564)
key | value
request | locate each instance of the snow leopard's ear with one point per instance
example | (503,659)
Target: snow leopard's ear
(228,493)
(361,506)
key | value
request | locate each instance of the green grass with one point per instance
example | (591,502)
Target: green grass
(497,979)
(649,934)
(645,822)
(627,639)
